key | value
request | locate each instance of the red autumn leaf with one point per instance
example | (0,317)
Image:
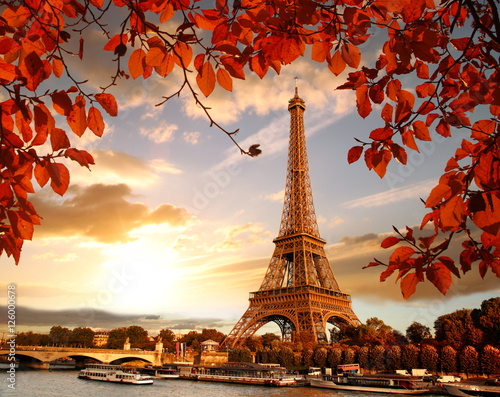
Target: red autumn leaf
(421,131)
(155,56)
(388,272)
(62,103)
(405,104)
(380,160)
(450,264)
(381,134)
(22,226)
(351,55)
(115,42)
(259,65)
(389,242)
(437,195)
(401,255)
(206,79)
(59,177)
(167,13)
(57,67)
(320,51)
(409,284)
(354,154)
(439,275)
(234,68)
(82,157)
(336,64)
(452,213)
(108,103)
(77,119)
(363,101)
(137,63)
(41,174)
(95,121)
(59,139)
(224,80)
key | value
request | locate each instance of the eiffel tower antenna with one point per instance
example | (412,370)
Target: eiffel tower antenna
(299,291)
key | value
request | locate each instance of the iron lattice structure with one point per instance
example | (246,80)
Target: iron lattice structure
(299,291)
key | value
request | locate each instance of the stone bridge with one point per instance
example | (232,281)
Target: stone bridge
(41,357)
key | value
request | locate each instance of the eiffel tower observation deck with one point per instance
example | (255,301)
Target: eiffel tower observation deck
(299,291)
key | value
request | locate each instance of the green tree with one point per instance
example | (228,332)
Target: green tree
(167,337)
(82,337)
(240,355)
(364,357)
(429,357)
(268,338)
(377,357)
(458,329)
(334,357)
(138,336)
(489,321)
(416,333)
(320,356)
(59,336)
(212,334)
(393,356)
(410,357)
(448,359)
(286,357)
(490,360)
(117,338)
(469,360)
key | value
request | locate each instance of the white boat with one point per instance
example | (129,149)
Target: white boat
(114,374)
(374,384)
(468,390)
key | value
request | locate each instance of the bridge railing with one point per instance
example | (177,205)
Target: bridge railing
(84,350)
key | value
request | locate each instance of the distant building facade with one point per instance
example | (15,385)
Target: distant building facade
(101,338)
(209,346)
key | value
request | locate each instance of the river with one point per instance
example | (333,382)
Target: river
(64,383)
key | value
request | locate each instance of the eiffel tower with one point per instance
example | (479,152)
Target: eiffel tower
(299,291)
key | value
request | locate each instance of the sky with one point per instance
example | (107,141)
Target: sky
(173,227)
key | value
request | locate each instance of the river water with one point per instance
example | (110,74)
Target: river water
(64,383)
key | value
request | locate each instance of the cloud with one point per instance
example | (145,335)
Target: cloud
(250,233)
(112,166)
(415,191)
(160,165)
(192,138)
(279,196)
(102,213)
(162,132)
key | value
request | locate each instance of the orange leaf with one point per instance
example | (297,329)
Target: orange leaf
(16,16)
(336,64)
(108,103)
(59,139)
(438,193)
(166,66)
(136,63)
(409,284)
(320,51)
(77,118)
(155,56)
(224,80)
(389,242)
(59,177)
(439,275)
(401,255)
(115,42)
(22,228)
(354,154)
(363,101)
(206,79)
(167,13)
(421,131)
(57,67)
(62,103)
(452,213)
(351,55)
(95,121)
(259,65)
(82,157)
(183,54)
(41,174)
